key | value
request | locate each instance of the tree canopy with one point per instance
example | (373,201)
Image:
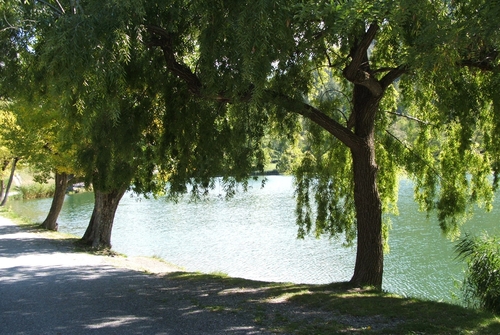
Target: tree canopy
(346,66)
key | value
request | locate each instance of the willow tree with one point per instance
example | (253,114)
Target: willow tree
(365,59)
(132,122)
(39,137)
(92,66)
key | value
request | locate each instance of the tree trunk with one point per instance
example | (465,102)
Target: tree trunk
(4,167)
(368,269)
(369,266)
(11,178)
(98,233)
(57,201)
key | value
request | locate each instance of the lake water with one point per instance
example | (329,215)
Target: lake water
(254,236)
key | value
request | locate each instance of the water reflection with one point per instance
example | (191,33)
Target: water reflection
(254,236)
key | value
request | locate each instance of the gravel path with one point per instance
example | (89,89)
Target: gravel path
(48,288)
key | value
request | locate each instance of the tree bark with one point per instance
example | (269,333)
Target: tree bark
(98,233)
(368,270)
(4,167)
(11,178)
(61,181)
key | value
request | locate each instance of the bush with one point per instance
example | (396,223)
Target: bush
(34,191)
(481,287)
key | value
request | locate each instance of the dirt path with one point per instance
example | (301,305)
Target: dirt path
(47,288)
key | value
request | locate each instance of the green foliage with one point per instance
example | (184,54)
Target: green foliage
(322,181)
(33,191)
(481,285)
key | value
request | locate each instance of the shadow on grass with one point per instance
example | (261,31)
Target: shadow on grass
(339,308)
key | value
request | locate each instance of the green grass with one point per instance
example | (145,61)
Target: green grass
(341,309)
(19,220)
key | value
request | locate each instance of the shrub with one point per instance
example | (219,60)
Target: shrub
(481,286)
(34,191)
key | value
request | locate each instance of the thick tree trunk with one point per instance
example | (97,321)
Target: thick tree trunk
(98,233)
(11,178)
(369,266)
(57,201)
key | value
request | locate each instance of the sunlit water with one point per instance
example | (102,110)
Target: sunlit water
(254,236)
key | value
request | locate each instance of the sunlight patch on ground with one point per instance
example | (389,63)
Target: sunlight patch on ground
(114,322)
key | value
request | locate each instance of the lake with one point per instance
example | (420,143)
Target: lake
(253,236)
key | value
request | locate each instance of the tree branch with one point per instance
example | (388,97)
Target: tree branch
(410,118)
(357,71)
(60,7)
(342,133)
(483,65)
(359,53)
(426,163)
(163,39)
(392,75)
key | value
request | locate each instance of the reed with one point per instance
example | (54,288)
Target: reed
(33,191)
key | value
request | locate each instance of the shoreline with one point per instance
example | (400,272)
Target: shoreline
(144,264)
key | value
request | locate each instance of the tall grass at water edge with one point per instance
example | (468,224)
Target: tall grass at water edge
(33,191)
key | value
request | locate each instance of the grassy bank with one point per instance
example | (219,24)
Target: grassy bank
(285,308)
(338,309)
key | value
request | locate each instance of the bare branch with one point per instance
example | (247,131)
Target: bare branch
(410,118)
(61,7)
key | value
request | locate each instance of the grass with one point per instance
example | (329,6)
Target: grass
(34,226)
(338,309)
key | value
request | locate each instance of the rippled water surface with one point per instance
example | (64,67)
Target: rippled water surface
(254,236)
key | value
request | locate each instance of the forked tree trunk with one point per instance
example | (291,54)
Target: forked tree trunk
(11,178)
(98,233)
(369,266)
(61,181)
